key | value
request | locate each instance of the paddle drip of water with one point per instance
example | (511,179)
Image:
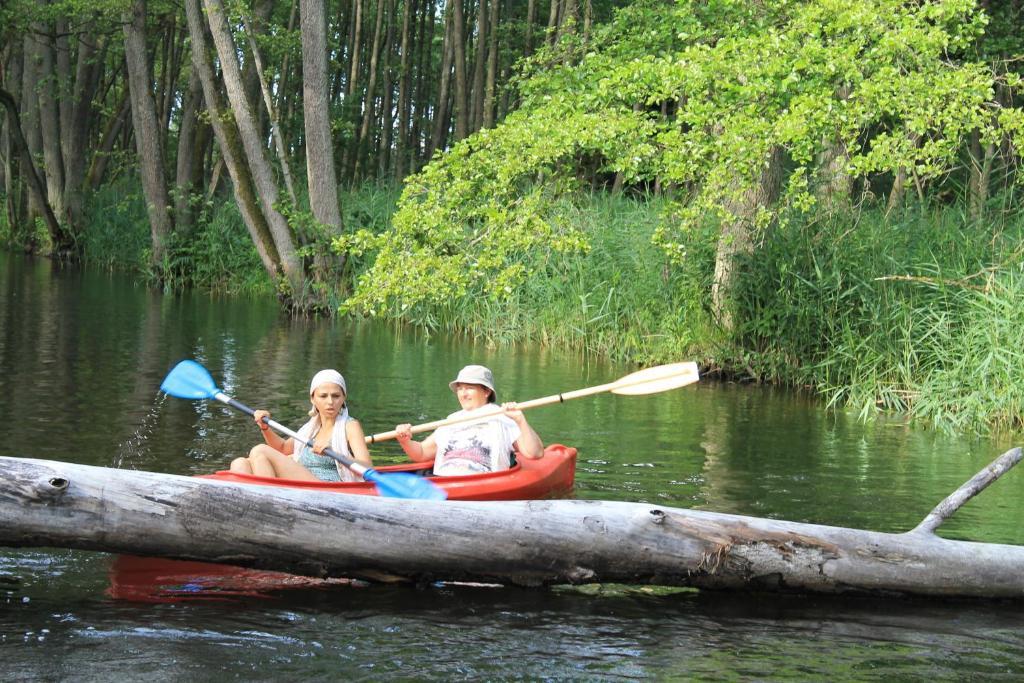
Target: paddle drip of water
(133,450)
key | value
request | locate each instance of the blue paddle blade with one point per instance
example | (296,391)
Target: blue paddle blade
(188,379)
(404,485)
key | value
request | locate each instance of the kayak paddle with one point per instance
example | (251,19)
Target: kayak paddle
(648,381)
(188,379)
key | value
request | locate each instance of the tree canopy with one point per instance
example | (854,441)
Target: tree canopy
(851,101)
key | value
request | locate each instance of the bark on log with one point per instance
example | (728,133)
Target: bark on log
(528,543)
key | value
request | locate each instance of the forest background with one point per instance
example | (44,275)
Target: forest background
(816,193)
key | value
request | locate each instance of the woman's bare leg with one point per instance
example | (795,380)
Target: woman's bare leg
(269,462)
(241,466)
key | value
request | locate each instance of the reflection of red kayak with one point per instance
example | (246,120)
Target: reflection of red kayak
(153,579)
(527,480)
(156,579)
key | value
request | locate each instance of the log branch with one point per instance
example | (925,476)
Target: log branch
(978,483)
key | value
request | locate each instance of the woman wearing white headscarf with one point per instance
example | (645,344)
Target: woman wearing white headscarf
(329,425)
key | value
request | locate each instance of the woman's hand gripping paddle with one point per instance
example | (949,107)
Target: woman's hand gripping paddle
(190,380)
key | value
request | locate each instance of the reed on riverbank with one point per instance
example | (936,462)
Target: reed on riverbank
(921,314)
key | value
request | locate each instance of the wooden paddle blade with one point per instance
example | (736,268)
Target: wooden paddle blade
(660,378)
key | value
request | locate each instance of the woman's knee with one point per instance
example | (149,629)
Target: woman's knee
(241,465)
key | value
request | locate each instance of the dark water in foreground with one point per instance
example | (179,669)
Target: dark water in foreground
(82,355)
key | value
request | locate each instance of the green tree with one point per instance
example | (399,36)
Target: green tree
(749,113)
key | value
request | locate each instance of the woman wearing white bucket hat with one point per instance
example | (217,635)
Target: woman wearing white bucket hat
(474,447)
(329,425)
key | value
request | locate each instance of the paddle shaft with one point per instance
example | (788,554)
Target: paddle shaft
(490,411)
(280,428)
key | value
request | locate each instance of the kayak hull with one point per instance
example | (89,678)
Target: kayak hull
(528,479)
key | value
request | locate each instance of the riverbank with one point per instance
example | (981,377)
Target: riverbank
(921,314)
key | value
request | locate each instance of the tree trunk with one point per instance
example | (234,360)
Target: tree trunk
(525,543)
(76,134)
(402,142)
(226,132)
(15,196)
(479,64)
(323,183)
(553,21)
(252,145)
(369,103)
(35,183)
(387,120)
(836,184)
(492,67)
(251,77)
(422,110)
(531,17)
(980,158)
(738,229)
(275,127)
(441,111)
(147,133)
(899,184)
(355,43)
(30,123)
(187,151)
(49,122)
(588,20)
(64,82)
(101,157)
(462,120)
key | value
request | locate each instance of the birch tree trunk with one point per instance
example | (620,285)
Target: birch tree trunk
(147,133)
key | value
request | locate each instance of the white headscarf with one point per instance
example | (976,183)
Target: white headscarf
(329,377)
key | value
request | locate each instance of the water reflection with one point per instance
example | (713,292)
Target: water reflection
(82,354)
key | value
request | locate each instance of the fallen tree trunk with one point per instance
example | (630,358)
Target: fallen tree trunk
(529,543)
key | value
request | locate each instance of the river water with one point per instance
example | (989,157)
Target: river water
(82,354)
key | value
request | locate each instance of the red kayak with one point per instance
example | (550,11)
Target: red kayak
(527,480)
(151,579)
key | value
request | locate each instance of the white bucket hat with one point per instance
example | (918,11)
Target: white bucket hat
(475,374)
